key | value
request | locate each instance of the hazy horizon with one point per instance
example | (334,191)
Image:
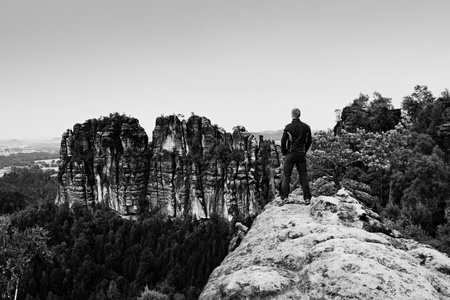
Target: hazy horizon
(235,62)
(57,139)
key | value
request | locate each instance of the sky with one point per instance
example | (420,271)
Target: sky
(236,62)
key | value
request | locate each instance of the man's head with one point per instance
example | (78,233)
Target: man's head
(295,113)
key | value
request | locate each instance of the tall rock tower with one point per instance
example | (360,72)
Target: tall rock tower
(105,161)
(190,167)
(199,168)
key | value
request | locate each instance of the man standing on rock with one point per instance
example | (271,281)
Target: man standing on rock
(295,143)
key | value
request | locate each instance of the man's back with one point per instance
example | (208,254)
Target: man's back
(301,137)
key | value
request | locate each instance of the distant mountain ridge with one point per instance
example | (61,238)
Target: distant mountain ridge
(275,135)
(270,134)
(55,142)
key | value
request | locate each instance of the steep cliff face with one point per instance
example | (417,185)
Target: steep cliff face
(199,168)
(333,249)
(189,167)
(105,161)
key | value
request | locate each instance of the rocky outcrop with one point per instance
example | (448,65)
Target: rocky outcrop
(189,167)
(374,119)
(444,140)
(201,169)
(105,161)
(333,249)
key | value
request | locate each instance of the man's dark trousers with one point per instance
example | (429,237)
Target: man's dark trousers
(299,160)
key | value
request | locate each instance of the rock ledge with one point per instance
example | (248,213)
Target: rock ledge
(324,251)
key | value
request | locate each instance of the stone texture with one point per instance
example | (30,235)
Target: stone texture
(201,169)
(190,167)
(324,251)
(105,161)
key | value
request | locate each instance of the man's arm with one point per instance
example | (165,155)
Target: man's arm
(283,142)
(308,139)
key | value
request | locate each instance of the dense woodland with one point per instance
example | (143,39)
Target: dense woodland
(103,256)
(397,163)
(26,186)
(99,255)
(394,160)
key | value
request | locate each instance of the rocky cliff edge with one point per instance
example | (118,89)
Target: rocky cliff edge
(333,249)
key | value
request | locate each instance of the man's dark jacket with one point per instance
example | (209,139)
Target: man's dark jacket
(301,137)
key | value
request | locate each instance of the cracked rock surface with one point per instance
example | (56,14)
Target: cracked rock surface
(325,251)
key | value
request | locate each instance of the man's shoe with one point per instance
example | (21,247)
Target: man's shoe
(307,201)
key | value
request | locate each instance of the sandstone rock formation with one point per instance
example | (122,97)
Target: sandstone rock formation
(189,167)
(332,249)
(358,115)
(199,168)
(105,161)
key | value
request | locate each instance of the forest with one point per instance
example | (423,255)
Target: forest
(398,164)
(394,160)
(53,252)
